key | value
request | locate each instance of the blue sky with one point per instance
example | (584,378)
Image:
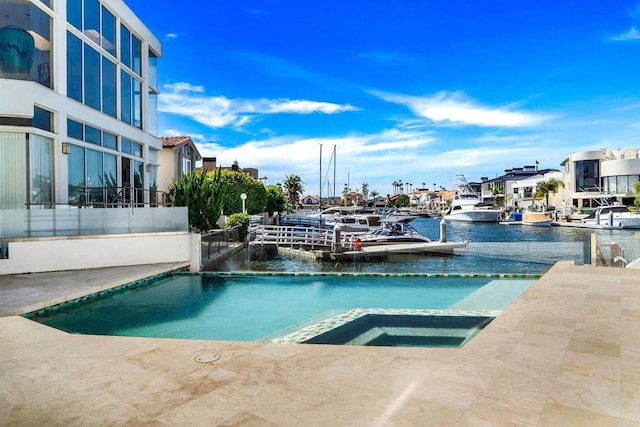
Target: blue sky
(411,90)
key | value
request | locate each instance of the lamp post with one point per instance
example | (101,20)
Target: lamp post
(243,196)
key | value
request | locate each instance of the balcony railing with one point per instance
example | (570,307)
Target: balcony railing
(110,197)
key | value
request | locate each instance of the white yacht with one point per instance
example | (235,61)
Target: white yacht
(467,206)
(612,216)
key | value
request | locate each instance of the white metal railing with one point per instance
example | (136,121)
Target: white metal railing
(307,237)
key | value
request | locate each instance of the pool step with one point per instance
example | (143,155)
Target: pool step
(495,295)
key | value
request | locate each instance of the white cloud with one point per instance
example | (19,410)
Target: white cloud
(632,34)
(189,100)
(455,108)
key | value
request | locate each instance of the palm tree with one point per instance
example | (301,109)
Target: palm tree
(365,192)
(395,186)
(374,194)
(496,191)
(543,188)
(293,188)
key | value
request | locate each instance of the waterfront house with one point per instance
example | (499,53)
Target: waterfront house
(78,130)
(501,190)
(591,176)
(178,157)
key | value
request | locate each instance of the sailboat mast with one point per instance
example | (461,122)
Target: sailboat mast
(334,170)
(320,181)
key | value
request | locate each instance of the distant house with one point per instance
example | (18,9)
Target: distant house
(178,157)
(310,202)
(235,167)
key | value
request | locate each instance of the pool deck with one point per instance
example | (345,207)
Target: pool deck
(565,353)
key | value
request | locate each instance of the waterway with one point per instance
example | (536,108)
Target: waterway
(492,248)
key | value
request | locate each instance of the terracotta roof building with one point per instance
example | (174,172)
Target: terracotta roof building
(178,156)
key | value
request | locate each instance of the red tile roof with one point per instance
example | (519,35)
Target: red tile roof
(179,141)
(175,141)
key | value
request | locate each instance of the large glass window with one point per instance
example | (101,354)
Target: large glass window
(75,129)
(40,161)
(587,175)
(25,42)
(76,175)
(74,67)
(109,140)
(152,112)
(108,87)
(108,31)
(42,119)
(125,46)
(136,48)
(91,77)
(74,13)
(92,135)
(136,108)
(153,70)
(126,97)
(92,20)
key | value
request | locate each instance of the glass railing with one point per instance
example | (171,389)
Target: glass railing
(26,223)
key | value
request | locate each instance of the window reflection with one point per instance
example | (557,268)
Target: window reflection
(25,42)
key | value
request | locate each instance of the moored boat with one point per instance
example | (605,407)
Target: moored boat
(612,216)
(467,206)
(536,219)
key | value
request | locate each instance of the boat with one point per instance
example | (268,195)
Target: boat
(392,233)
(612,216)
(467,206)
(536,219)
(348,223)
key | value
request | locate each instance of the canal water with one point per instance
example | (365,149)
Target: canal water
(492,249)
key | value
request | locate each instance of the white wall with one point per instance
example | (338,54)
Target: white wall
(77,253)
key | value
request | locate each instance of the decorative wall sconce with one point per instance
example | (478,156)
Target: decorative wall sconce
(66,148)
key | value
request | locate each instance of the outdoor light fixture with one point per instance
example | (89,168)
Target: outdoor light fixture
(148,167)
(66,148)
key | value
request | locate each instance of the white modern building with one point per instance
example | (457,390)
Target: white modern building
(78,115)
(591,176)
(78,130)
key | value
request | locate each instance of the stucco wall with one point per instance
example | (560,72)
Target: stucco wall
(76,253)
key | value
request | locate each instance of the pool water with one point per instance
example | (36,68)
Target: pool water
(262,307)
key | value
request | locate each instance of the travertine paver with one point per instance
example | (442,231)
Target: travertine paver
(566,353)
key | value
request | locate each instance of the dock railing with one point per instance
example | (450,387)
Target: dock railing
(310,238)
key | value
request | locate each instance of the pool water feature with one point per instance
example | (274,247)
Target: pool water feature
(267,306)
(404,330)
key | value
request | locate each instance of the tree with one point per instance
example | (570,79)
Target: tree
(544,188)
(365,193)
(496,191)
(276,200)
(293,188)
(202,193)
(402,201)
(636,202)
(237,183)
(374,194)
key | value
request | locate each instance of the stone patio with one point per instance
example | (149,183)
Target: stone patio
(565,353)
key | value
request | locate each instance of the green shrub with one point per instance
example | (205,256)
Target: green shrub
(239,219)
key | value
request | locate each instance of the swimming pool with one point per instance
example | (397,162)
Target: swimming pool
(266,306)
